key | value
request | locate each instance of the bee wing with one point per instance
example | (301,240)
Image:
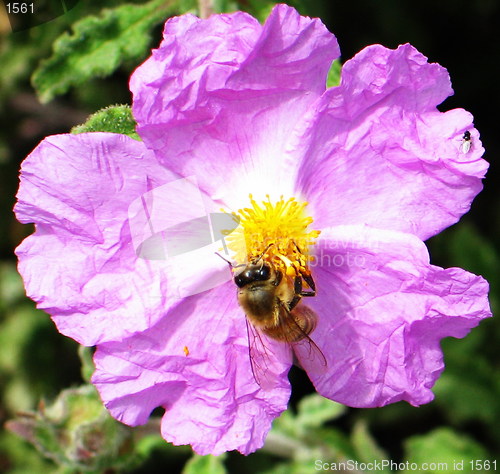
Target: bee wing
(307,354)
(269,359)
(466,146)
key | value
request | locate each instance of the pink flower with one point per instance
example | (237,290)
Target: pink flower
(234,116)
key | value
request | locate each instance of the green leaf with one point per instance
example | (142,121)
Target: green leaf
(77,432)
(114,119)
(314,410)
(88,367)
(334,445)
(98,45)
(187,6)
(366,448)
(21,52)
(286,425)
(205,465)
(300,466)
(226,6)
(468,391)
(261,8)
(22,457)
(11,286)
(333,78)
(30,348)
(441,450)
(303,438)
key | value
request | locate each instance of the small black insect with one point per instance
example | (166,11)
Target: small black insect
(466,142)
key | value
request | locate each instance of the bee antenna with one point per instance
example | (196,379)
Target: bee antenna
(232,265)
(225,259)
(263,253)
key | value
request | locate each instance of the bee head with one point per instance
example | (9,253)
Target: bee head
(252,273)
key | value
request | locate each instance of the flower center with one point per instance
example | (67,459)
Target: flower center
(276,233)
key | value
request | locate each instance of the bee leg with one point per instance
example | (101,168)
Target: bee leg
(297,285)
(294,302)
(309,280)
(297,288)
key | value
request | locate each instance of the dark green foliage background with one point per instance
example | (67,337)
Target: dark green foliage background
(37,363)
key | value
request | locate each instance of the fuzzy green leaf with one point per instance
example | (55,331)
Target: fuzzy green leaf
(88,367)
(333,78)
(365,445)
(21,457)
(286,425)
(468,389)
(261,8)
(315,410)
(226,6)
(77,432)
(11,286)
(334,444)
(98,45)
(205,465)
(443,451)
(114,119)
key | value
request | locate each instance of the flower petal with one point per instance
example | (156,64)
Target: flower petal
(80,265)
(221,96)
(195,363)
(380,147)
(382,311)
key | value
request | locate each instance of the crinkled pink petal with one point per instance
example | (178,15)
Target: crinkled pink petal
(195,363)
(376,150)
(81,265)
(221,96)
(383,310)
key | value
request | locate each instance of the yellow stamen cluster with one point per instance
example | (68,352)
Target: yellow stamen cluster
(276,232)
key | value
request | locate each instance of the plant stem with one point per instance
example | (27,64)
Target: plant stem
(205,8)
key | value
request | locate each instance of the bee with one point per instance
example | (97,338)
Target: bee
(273,306)
(466,142)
